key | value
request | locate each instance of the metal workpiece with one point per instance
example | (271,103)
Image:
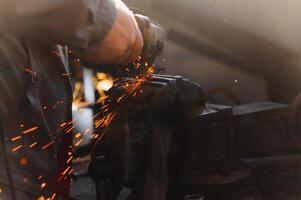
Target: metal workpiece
(262,128)
(164,95)
(186,93)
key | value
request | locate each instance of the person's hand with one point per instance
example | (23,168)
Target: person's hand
(124,42)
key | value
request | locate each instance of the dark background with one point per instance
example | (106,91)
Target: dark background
(240,51)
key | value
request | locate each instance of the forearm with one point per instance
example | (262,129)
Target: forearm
(80,24)
(99,31)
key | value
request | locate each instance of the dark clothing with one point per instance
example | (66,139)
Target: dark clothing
(35,89)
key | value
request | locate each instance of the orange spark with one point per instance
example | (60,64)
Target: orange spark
(17,148)
(66,170)
(33,144)
(69,159)
(70,129)
(101,99)
(63,124)
(16,138)
(105,121)
(43,185)
(120,98)
(131,87)
(79,142)
(70,122)
(94,136)
(105,106)
(23,161)
(77,135)
(53,196)
(28,70)
(66,74)
(48,145)
(30,130)
(71,171)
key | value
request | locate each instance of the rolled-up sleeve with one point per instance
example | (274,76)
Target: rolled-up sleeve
(81,24)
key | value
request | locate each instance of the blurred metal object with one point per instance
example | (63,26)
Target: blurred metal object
(153,38)
(209,138)
(262,128)
(165,100)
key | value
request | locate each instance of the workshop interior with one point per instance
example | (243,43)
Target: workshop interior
(210,110)
(234,68)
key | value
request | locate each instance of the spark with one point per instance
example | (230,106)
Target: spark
(63,124)
(94,136)
(105,106)
(77,135)
(120,98)
(17,148)
(66,74)
(70,172)
(16,138)
(43,185)
(30,130)
(131,87)
(48,145)
(53,196)
(69,129)
(28,70)
(101,99)
(105,121)
(33,144)
(60,178)
(23,161)
(71,157)
(79,142)
(63,173)
(70,122)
